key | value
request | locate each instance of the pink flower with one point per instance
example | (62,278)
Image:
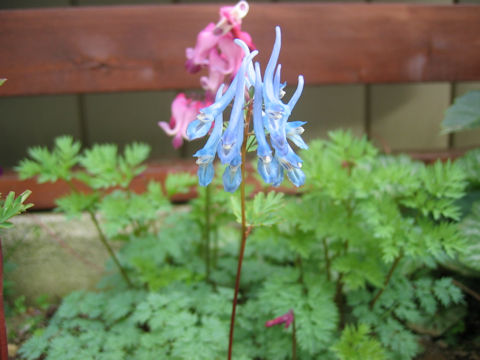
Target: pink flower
(184,111)
(216,50)
(288,318)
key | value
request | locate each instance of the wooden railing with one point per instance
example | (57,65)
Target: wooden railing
(134,48)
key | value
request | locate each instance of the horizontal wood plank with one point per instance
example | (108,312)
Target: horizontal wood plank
(134,48)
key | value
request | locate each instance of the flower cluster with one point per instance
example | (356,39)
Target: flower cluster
(215,51)
(270,118)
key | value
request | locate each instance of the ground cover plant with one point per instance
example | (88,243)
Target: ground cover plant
(353,257)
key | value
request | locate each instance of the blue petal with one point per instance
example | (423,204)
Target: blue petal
(290,160)
(296,176)
(205,174)
(268,169)
(278,177)
(232,177)
(263,149)
(294,129)
(249,69)
(198,128)
(202,124)
(272,62)
(297,93)
(232,139)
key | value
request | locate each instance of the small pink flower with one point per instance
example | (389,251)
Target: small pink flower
(286,319)
(184,111)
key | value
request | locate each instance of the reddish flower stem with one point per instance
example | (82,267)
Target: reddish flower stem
(245,232)
(3,328)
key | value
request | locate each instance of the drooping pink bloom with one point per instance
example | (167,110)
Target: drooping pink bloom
(216,52)
(184,111)
(286,319)
(215,49)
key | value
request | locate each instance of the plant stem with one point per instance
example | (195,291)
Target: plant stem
(3,327)
(207,232)
(104,241)
(327,259)
(245,231)
(339,297)
(465,288)
(387,280)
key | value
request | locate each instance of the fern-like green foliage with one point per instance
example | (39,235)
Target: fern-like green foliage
(263,210)
(106,168)
(356,343)
(53,165)
(11,206)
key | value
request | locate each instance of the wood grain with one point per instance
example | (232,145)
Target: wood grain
(133,48)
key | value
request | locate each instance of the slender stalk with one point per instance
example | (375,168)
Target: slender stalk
(245,231)
(104,241)
(215,248)
(339,297)
(387,280)
(207,232)
(465,288)
(294,340)
(327,259)
(3,327)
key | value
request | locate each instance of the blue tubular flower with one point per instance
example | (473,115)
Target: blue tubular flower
(232,139)
(232,177)
(267,166)
(277,85)
(250,80)
(292,165)
(206,155)
(297,93)
(203,123)
(294,129)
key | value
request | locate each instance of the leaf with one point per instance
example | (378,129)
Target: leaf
(356,344)
(75,203)
(179,183)
(263,210)
(464,114)
(12,206)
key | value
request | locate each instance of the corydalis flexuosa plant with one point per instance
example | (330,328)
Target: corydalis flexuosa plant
(270,122)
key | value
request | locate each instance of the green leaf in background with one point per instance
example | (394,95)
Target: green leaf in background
(356,343)
(179,183)
(53,165)
(262,211)
(12,206)
(464,114)
(2,81)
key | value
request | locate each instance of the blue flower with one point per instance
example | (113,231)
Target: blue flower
(271,127)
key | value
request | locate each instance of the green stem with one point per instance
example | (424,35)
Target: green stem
(245,232)
(3,328)
(104,241)
(387,280)
(207,232)
(327,259)
(339,297)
